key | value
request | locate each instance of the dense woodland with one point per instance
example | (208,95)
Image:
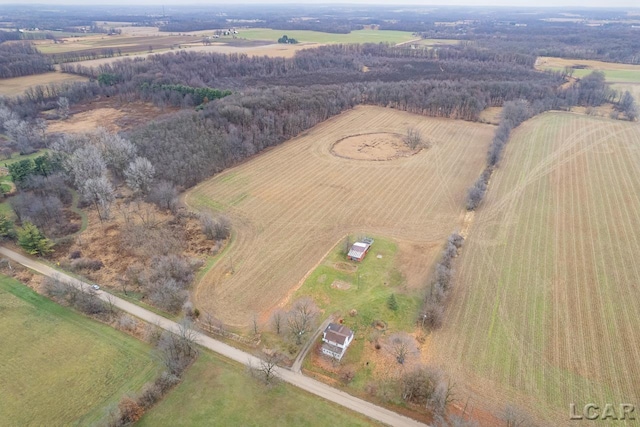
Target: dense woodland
(612,43)
(22,59)
(265,101)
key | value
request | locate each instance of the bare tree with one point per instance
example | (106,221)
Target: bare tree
(179,348)
(254,322)
(99,191)
(515,417)
(111,300)
(63,107)
(217,228)
(86,163)
(413,138)
(268,366)
(401,345)
(164,195)
(277,319)
(419,384)
(117,151)
(139,175)
(301,318)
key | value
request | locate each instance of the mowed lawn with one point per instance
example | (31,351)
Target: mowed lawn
(357,36)
(545,310)
(217,392)
(292,204)
(58,367)
(339,285)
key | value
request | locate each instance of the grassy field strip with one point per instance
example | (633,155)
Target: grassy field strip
(543,310)
(292,203)
(49,351)
(244,402)
(357,36)
(614,72)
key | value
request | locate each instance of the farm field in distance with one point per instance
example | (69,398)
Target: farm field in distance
(356,36)
(60,368)
(614,72)
(544,311)
(216,391)
(18,85)
(124,43)
(292,204)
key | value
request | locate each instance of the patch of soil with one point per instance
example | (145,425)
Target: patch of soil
(373,147)
(340,284)
(344,266)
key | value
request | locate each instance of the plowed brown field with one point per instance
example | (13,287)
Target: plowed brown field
(291,205)
(545,309)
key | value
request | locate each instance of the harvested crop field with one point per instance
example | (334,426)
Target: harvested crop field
(544,311)
(291,205)
(18,85)
(372,146)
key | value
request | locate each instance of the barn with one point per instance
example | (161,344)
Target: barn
(360,249)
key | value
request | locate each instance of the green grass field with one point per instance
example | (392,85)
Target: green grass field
(216,392)
(544,310)
(359,36)
(370,283)
(58,367)
(612,76)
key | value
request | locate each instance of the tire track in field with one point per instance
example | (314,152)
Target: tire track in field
(483,254)
(297,199)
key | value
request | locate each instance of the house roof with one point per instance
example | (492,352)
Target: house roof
(337,333)
(358,249)
(333,348)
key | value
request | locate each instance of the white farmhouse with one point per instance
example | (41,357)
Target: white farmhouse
(336,338)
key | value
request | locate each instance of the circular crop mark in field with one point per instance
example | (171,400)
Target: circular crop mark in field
(372,146)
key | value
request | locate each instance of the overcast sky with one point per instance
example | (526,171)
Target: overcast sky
(511,3)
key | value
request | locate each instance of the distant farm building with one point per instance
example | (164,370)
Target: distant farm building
(336,338)
(360,249)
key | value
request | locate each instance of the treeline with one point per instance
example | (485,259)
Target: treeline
(177,25)
(325,25)
(190,147)
(612,42)
(435,300)
(590,91)
(84,55)
(10,35)
(22,59)
(449,82)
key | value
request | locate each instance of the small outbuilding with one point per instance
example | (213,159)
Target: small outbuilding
(336,338)
(360,249)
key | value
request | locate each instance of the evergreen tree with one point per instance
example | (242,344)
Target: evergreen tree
(33,241)
(6,226)
(392,303)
